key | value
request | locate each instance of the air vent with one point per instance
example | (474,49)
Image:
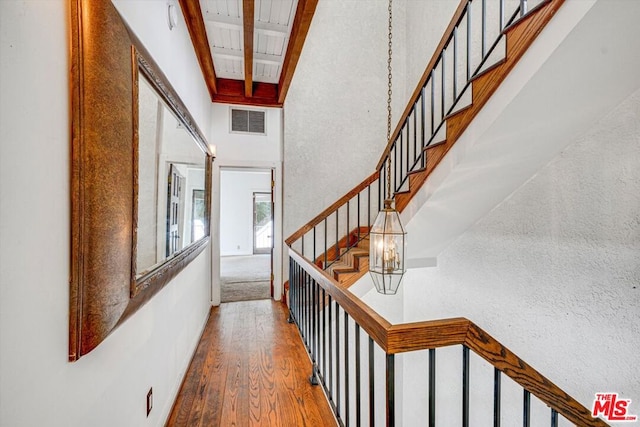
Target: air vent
(247,121)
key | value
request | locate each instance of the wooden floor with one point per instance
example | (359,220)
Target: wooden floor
(250,369)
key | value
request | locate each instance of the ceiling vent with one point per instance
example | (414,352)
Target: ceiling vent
(247,121)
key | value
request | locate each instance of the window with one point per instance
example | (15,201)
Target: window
(247,121)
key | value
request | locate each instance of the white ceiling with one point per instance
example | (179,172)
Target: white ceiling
(273,20)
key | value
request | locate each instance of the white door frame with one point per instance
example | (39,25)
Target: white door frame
(215,224)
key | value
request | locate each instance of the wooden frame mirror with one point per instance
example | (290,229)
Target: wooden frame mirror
(109,66)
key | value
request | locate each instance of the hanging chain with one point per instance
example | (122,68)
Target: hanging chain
(389,92)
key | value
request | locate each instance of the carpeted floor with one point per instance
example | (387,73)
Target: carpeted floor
(245,278)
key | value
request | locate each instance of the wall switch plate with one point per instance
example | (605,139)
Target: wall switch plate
(149,401)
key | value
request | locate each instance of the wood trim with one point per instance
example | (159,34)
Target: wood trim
(248,10)
(423,80)
(518,370)
(430,334)
(195,24)
(322,215)
(299,30)
(233,92)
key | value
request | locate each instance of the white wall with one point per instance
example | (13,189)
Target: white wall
(336,108)
(552,272)
(237,150)
(236,208)
(107,387)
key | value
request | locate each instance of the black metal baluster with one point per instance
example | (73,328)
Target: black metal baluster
(395,164)
(346,368)
(468,40)
(501,15)
(455,63)
(372,381)
(497,391)
(415,133)
(407,157)
(348,231)
(369,206)
(465,386)
(382,181)
(337,254)
(391,401)
(422,119)
(358,219)
(290,319)
(338,360)
(315,311)
(442,106)
(526,422)
(484,28)
(324,338)
(302,243)
(554,418)
(432,387)
(307,320)
(358,398)
(433,101)
(330,350)
(324,266)
(523,7)
(314,244)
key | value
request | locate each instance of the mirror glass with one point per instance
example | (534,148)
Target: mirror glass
(171,183)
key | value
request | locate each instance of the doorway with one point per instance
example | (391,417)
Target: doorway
(246,234)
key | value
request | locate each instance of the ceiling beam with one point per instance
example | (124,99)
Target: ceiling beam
(197,31)
(301,24)
(232,92)
(248,9)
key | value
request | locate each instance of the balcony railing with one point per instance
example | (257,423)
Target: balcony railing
(354,350)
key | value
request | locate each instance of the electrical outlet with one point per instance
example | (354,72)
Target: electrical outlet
(149,401)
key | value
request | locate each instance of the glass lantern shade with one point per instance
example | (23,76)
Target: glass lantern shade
(387,250)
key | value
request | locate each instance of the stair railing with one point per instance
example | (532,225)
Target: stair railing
(332,233)
(422,127)
(463,54)
(345,339)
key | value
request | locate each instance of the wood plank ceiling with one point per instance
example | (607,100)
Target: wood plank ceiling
(248,49)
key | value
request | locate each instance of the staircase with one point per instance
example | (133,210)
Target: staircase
(452,91)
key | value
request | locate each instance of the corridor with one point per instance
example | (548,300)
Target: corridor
(250,369)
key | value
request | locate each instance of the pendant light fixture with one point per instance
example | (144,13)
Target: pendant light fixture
(387,236)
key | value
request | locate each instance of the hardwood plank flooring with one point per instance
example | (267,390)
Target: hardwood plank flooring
(250,369)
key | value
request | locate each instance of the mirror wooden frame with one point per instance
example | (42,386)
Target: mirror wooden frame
(106,59)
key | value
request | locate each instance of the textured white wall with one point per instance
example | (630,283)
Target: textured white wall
(335,112)
(107,387)
(246,151)
(553,272)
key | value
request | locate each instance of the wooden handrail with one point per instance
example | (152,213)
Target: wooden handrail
(328,211)
(423,80)
(405,337)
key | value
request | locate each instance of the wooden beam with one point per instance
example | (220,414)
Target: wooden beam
(301,24)
(233,92)
(248,8)
(197,31)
